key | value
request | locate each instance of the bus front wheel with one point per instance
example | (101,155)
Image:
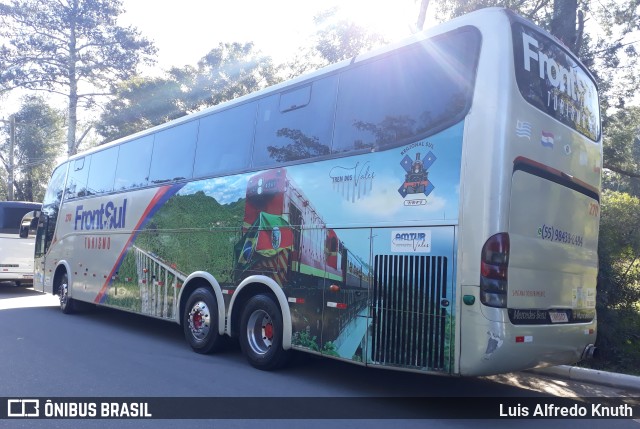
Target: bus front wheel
(67,304)
(200,321)
(261,333)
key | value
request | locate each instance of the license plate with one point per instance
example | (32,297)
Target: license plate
(558,317)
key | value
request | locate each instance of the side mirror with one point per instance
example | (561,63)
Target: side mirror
(29,224)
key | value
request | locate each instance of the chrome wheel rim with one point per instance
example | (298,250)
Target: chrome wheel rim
(260,332)
(64,294)
(200,320)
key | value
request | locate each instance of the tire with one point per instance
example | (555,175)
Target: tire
(67,304)
(261,333)
(200,322)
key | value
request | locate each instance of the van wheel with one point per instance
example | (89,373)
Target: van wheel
(261,333)
(67,304)
(200,321)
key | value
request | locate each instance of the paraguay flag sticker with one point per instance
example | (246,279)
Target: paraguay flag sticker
(547,139)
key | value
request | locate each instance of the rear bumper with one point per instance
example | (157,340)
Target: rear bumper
(498,346)
(24,277)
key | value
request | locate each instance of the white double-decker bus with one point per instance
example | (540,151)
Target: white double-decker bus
(431,206)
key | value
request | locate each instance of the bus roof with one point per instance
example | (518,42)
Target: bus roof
(20,204)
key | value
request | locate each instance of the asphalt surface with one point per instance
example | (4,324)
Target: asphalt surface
(106,353)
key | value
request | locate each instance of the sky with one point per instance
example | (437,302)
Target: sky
(184,31)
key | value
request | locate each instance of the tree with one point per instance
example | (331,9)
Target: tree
(618,299)
(343,40)
(39,141)
(140,103)
(228,71)
(69,47)
(336,40)
(622,151)
(610,57)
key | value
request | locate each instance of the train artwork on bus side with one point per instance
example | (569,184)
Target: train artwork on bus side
(285,238)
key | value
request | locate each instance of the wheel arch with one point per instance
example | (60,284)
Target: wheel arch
(250,287)
(61,268)
(202,279)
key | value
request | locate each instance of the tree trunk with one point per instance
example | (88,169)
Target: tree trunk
(73,88)
(563,23)
(422,15)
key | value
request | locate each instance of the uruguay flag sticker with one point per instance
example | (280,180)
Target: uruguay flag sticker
(547,139)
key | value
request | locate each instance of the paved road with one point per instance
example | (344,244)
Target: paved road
(103,353)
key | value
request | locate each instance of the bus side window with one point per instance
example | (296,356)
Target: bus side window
(295,99)
(407,95)
(174,150)
(224,141)
(102,171)
(77,182)
(134,160)
(297,124)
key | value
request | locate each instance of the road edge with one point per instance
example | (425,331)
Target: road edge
(591,376)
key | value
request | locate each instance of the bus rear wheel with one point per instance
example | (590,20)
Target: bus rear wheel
(261,333)
(200,321)
(67,304)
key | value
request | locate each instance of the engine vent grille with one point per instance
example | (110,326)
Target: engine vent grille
(409,311)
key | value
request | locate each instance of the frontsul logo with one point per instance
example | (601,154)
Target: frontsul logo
(108,216)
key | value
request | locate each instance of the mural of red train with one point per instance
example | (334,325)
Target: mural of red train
(285,238)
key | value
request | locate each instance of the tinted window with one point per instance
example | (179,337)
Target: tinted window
(102,171)
(286,132)
(133,164)
(551,80)
(53,196)
(77,182)
(224,141)
(11,218)
(295,99)
(409,94)
(50,209)
(173,153)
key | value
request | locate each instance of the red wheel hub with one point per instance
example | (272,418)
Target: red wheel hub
(197,321)
(268,331)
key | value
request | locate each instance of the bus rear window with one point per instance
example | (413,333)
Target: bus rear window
(10,218)
(551,80)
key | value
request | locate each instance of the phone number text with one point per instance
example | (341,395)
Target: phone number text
(551,233)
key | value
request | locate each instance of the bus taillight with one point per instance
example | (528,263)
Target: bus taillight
(493,271)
